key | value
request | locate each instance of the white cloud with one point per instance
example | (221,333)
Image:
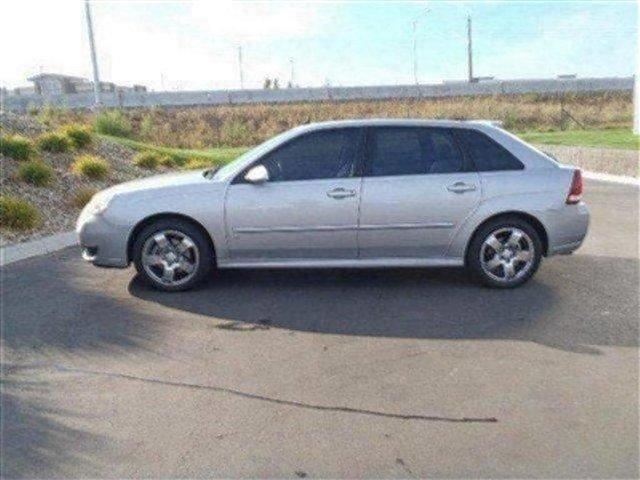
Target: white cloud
(40,35)
(194,46)
(255,21)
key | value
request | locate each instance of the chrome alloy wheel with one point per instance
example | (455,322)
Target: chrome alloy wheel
(170,257)
(507,254)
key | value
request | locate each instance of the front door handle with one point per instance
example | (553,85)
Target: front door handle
(461,187)
(340,192)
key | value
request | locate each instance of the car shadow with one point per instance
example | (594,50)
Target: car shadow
(427,304)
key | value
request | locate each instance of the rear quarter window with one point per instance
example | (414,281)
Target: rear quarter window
(487,154)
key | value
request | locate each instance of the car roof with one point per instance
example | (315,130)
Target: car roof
(396,122)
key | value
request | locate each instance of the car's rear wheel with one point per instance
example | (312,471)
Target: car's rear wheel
(172,254)
(505,252)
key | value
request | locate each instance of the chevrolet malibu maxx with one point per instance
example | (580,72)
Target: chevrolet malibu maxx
(359,193)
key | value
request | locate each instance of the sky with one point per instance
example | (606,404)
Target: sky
(172,45)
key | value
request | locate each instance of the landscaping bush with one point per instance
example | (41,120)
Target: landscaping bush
(91,167)
(78,135)
(198,163)
(235,133)
(17,214)
(172,161)
(53,142)
(112,122)
(149,160)
(82,197)
(36,173)
(16,147)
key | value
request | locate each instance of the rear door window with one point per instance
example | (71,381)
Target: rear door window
(412,151)
(487,154)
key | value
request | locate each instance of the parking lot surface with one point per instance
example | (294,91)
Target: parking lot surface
(328,373)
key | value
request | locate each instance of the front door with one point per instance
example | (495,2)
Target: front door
(308,209)
(417,189)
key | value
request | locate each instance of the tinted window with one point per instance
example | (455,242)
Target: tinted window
(487,154)
(413,151)
(323,154)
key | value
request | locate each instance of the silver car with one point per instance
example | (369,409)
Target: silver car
(360,193)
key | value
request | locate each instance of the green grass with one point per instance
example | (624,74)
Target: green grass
(218,156)
(613,138)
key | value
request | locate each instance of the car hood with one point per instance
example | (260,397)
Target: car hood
(157,182)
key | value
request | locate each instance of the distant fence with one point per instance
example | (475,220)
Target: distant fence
(130,99)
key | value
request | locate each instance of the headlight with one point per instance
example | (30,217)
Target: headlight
(99,204)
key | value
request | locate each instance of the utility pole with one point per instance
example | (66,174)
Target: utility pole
(94,60)
(240,67)
(414,25)
(292,77)
(469,49)
(636,103)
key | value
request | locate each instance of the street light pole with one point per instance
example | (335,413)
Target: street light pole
(240,67)
(94,61)
(469,49)
(291,81)
(414,24)
(636,103)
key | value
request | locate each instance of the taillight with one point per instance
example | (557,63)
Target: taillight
(575,193)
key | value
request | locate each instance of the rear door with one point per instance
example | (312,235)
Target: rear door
(418,187)
(309,207)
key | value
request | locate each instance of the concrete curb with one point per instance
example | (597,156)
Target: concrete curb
(41,246)
(606,177)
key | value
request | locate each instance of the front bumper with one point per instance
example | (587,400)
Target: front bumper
(103,243)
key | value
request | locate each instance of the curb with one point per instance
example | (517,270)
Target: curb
(606,177)
(33,248)
(53,243)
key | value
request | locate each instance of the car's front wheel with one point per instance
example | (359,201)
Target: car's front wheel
(505,253)
(172,254)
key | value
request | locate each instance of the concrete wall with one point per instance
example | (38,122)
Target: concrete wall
(230,97)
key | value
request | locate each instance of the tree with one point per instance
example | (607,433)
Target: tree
(267,83)
(276,84)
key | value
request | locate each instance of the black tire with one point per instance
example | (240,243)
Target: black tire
(200,241)
(473,260)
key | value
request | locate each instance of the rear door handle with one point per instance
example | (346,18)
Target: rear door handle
(340,192)
(461,187)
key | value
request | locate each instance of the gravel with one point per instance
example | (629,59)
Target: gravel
(602,160)
(55,201)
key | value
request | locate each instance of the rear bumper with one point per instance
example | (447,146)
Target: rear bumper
(103,243)
(567,228)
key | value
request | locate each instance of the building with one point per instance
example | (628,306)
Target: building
(51,84)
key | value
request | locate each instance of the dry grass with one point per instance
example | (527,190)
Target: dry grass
(241,125)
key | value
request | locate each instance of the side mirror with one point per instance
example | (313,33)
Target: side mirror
(257,174)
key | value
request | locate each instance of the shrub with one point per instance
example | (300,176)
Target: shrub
(82,197)
(16,147)
(91,166)
(198,163)
(17,214)
(172,161)
(36,173)
(53,142)
(78,135)
(112,123)
(235,133)
(149,160)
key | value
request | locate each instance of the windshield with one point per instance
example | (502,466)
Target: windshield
(232,167)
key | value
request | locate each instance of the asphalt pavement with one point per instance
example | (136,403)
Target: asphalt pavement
(328,373)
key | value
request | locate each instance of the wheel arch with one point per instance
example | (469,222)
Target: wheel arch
(161,216)
(531,219)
